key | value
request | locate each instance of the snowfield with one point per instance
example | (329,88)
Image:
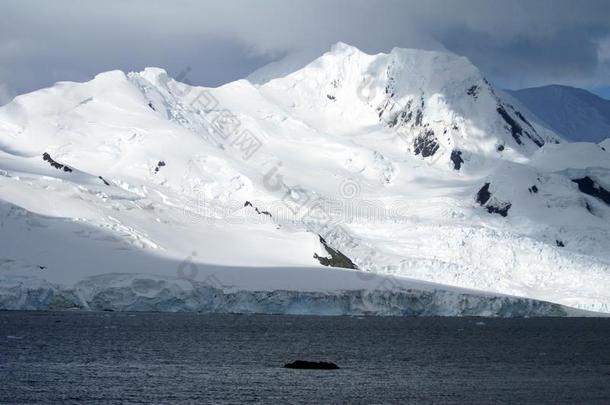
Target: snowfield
(435,193)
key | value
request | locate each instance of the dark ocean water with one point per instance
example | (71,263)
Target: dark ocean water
(84,357)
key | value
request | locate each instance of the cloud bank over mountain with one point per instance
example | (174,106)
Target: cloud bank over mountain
(516,44)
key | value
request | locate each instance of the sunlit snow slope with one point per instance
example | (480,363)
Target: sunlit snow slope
(140,192)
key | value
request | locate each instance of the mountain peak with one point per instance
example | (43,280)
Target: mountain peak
(409,163)
(574,113)
(427,97)
(110,76)
(342,47)
(154,74)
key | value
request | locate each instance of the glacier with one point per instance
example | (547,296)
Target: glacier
(133,292)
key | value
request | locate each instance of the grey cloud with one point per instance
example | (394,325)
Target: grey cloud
(515,42)
(5,94)
(569,56)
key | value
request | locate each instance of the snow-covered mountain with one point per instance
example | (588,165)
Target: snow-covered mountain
(575,114)
(398,183)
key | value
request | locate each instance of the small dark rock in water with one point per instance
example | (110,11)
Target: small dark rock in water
(42,267)
(312,365)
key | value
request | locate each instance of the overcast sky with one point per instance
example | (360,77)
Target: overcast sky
(516,43)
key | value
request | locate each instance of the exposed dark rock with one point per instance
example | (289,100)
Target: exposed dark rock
(473,91)
(590,187)
(104,180)
(159,166)
(403,117)
(337,259)
(151,106)
(53,163)
(489,87)
(330,97)
(589,208)
(483,194)
(522,118)
(500,148)
(249,204)
(533,189)
(419,117)
(456,158)
(263,212)
(559,243)
(426,144)
(499,208)
(531,134)
(381,108)
(494,207)
(517,130)
(536,139)
(42,267)
(312,365)
(408,106)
